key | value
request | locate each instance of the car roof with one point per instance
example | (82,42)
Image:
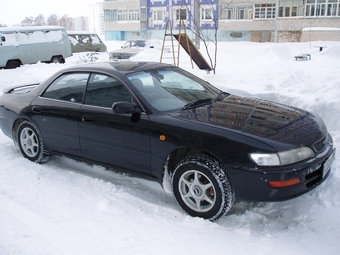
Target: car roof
(120,66)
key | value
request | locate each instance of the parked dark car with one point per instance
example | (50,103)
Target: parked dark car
(159,120)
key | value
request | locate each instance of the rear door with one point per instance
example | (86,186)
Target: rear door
(9,48)
(56,113)
(115,139)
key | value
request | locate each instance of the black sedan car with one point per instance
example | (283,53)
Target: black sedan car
(159,120)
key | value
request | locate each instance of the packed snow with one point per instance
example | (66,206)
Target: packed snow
(67,207)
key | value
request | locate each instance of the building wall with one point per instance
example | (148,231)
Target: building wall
(122,25)
(308,35)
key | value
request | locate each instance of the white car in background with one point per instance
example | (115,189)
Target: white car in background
(133,47)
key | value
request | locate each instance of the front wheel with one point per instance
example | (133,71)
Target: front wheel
(31,143)
(202,188)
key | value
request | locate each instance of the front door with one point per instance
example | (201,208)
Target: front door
(111,138)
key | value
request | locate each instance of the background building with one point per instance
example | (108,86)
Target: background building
(81,23)
(237,20)
(96,18)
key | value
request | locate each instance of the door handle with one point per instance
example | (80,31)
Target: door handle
(87,119)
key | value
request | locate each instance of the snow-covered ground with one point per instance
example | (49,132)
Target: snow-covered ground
(68,207)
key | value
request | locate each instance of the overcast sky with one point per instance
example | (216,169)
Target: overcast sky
(12,12)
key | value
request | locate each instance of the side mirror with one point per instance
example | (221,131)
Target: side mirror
(3,39)
(124,107)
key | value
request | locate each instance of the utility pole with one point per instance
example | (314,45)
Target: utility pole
(197,23)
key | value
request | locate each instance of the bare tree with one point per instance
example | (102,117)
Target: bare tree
(28,21)
(52,20)
(40,20)
(205,25)
(3,25)
(67,22)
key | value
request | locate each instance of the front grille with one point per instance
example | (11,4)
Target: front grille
(320,145)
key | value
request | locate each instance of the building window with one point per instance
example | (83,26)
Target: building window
(264,11)
(207,14)
(333,8)
(110,15)
(181,14)
(322,8)
(121,15)
(237,12)
(291,8)
(158,15)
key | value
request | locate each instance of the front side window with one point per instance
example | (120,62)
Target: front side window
(85,39)
(95,39)
(104,90)
(69,87)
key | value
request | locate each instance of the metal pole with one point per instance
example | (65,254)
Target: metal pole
(276,22)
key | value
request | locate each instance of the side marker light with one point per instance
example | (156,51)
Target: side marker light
(285,183)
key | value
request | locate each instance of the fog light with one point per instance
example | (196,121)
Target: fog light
(286,183)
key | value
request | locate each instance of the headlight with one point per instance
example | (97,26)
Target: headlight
(283,157)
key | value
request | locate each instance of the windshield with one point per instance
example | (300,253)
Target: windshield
(169,89)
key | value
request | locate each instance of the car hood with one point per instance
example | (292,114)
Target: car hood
(260,118)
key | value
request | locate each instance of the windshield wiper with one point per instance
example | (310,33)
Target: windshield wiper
(221,96)
(197,103)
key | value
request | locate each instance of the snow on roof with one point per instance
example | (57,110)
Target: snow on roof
(31,28)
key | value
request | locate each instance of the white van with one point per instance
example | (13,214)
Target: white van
(28,45)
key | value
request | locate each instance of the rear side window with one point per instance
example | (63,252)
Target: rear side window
(104,90)
(69,87)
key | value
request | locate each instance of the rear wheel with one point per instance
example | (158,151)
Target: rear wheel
(202,187)
(13,64)
(31,143)
(57,59)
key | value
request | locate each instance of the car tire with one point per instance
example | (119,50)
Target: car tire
(31,143)
(11,64)
(57,60)
(202,187)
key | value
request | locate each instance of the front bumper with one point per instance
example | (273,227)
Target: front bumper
(253,185)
